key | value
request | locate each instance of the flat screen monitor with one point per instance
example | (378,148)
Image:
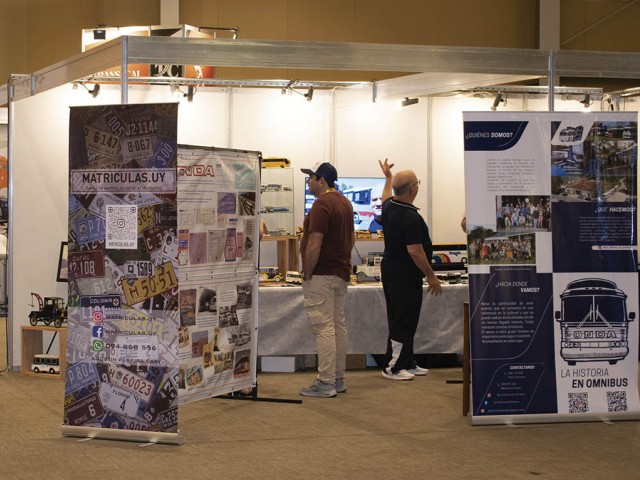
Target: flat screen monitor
(363,193)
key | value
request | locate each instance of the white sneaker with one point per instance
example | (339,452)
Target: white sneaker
(417,370)
(401,375)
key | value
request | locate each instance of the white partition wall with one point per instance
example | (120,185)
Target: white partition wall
(425,137)
(250,119)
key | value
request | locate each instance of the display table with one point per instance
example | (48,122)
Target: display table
(284,330)
(33,343)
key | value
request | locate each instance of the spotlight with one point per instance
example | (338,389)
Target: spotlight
(586,101)
(94,91)
(496,101)
(409,101)
(191,91)
(309,94)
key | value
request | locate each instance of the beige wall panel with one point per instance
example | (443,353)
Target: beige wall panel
(55,29)
(13,38)
(440,26)
(257,19)
(200,13)
(321,20)
(510,23)
(480,23)
(617,33)
(384,21)
(572,21)
(125,13)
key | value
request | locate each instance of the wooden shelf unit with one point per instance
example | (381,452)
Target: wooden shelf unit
(33,343)
(287,252)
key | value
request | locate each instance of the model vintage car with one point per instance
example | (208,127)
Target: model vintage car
(51,309)
(269,274)
(370,268)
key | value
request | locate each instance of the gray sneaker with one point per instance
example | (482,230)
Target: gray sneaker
(319,389)
(340,385)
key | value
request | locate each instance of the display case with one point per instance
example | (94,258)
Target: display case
(276,200)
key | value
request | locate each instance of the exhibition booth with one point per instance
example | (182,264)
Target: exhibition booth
(351,126)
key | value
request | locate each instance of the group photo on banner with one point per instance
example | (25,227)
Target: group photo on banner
(551,211)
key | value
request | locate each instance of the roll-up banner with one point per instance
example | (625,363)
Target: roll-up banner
(122,348)
(218,254)
(551,213)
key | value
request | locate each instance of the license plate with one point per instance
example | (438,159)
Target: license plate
(137,148)
(138,268)
(153,237)
(118,400)
(123,378)
(145,218)
(90,229)
(113,121)
(163,155)
(165,215)
(84,410)
(101,142)
(80,375)
(86,264)
(139,289)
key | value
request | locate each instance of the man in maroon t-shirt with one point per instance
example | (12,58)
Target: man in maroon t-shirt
(326,244)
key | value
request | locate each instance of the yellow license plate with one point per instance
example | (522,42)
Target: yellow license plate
(137,290)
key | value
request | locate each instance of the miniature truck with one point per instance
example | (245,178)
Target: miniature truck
(52,309)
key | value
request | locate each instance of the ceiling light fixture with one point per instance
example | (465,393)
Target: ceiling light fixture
(499,98)
(94,91)
(409,101)
(587,101)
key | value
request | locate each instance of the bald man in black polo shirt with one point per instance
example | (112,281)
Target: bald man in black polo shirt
(406,261)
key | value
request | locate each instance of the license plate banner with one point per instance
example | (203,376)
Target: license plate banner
(122,345)
(552,260)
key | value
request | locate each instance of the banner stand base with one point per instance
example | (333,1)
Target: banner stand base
(253,397)
(125,435)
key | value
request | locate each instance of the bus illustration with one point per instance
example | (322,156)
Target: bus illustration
(594,322)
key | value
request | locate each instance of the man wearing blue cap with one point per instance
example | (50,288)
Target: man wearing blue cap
(326,244)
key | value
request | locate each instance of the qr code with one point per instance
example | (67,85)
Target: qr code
(122,226)
(578,402)
(617,401)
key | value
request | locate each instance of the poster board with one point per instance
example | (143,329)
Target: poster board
(217,254)
(551,217)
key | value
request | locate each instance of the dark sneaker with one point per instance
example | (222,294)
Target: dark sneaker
(319,389)
(340,385)
(401,375)
(418,371)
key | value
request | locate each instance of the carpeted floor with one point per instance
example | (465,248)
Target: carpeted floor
(379,429)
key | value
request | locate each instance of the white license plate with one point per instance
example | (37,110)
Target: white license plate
(137,148)
(138,268)
(101,142)
(127,380)
(118,400)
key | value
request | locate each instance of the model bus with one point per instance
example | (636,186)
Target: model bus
(45,363)
(594,322)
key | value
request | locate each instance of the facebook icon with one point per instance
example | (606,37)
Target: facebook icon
(98,331)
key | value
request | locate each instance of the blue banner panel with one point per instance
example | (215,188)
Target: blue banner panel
(551,209)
